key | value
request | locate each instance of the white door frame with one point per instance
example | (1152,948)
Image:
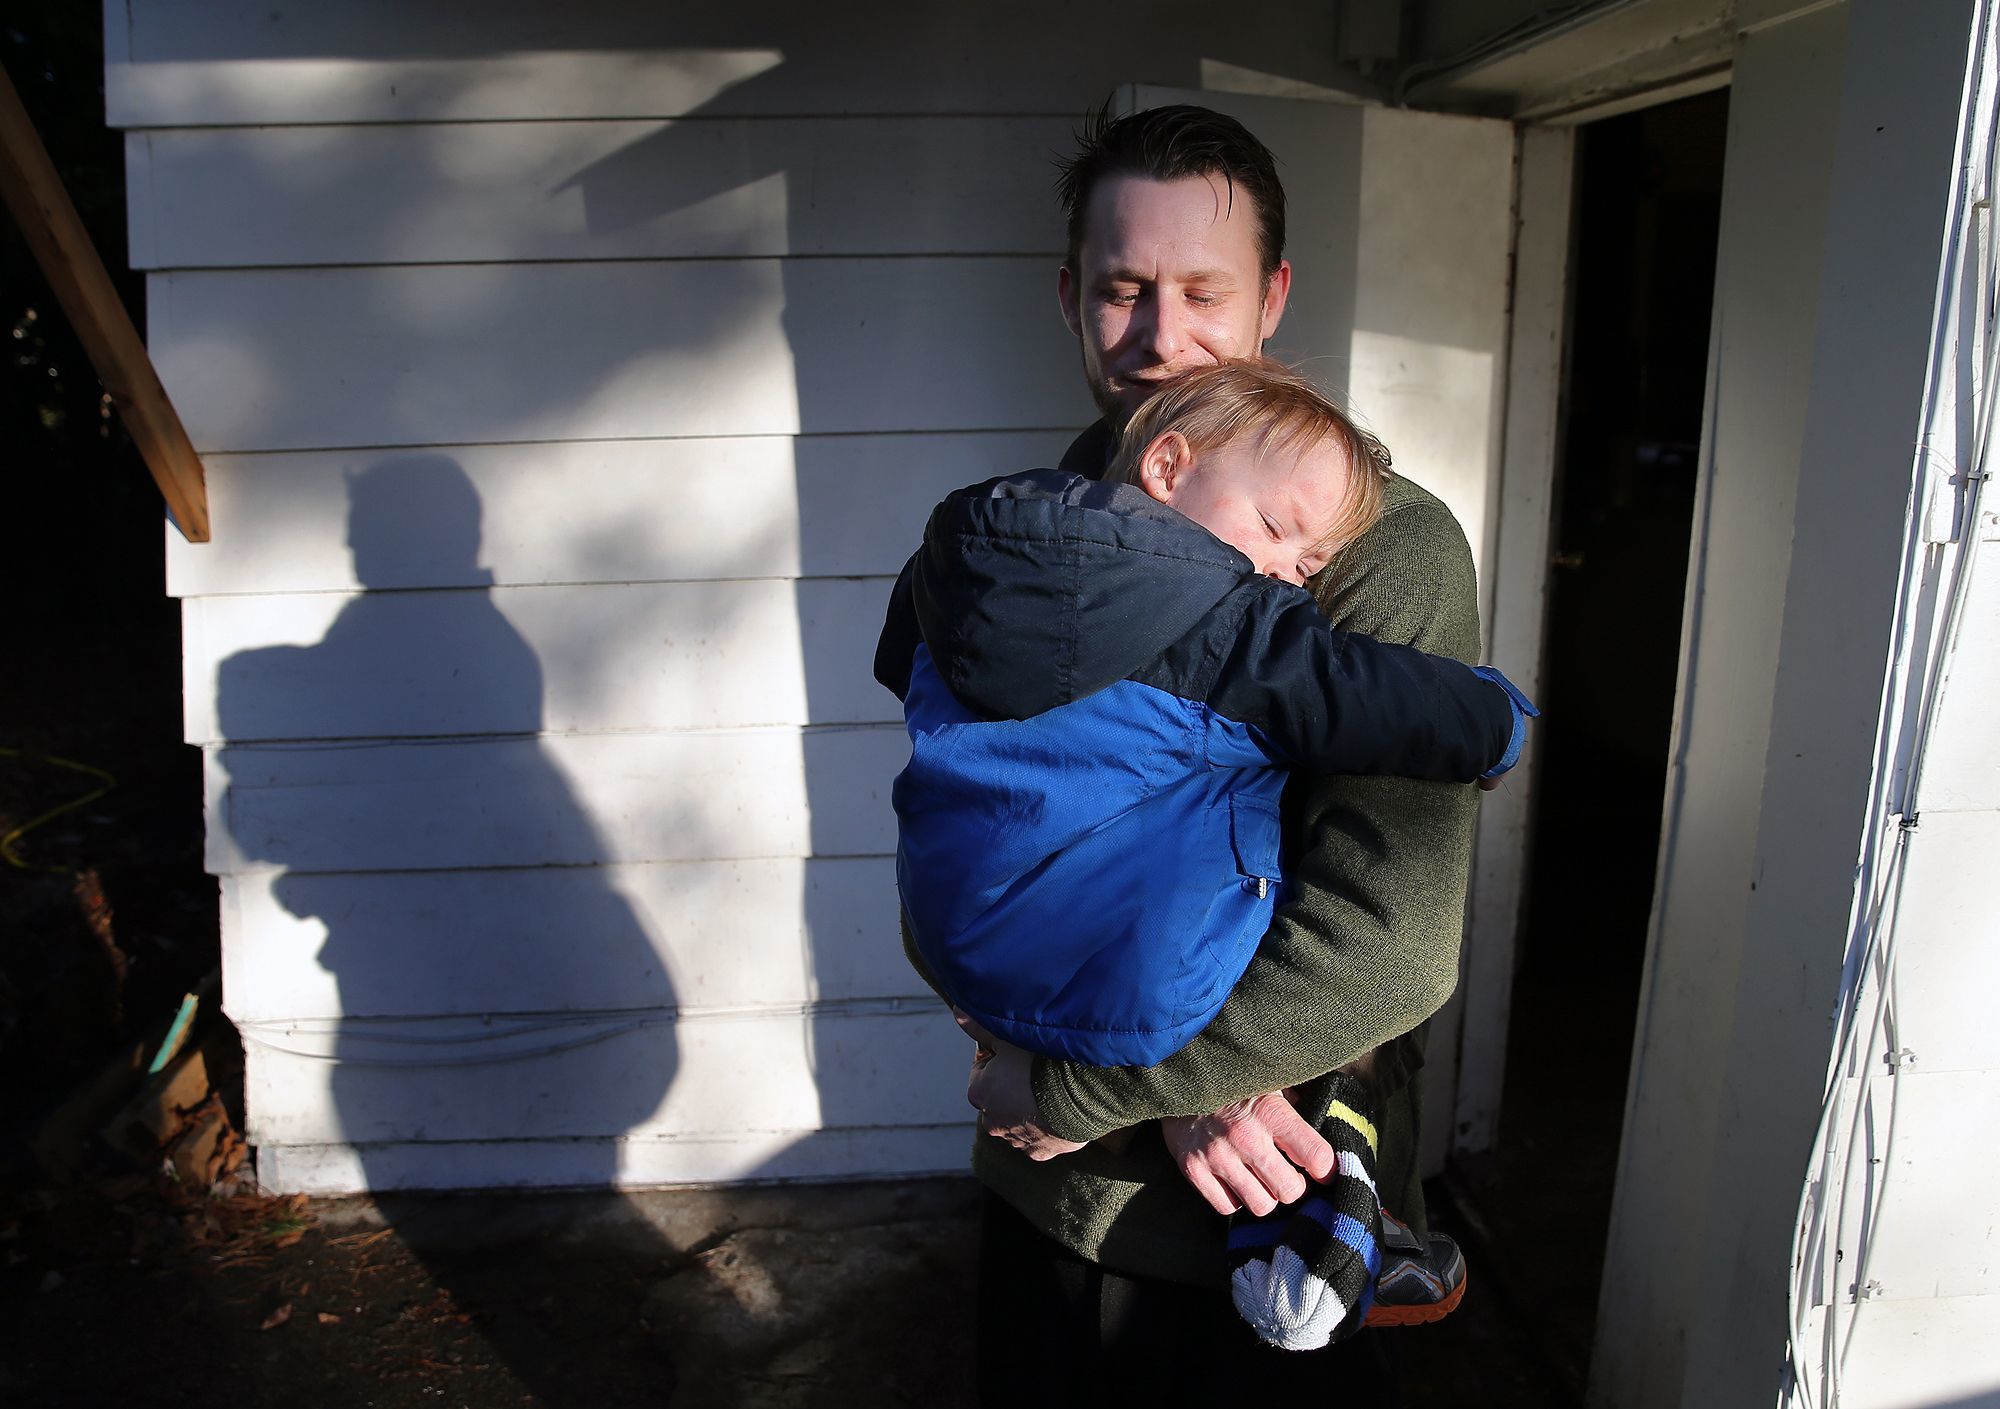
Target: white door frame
(1515,610)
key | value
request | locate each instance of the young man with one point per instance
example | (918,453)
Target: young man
(1101,1271)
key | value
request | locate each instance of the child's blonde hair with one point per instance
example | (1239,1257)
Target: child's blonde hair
(1256,396)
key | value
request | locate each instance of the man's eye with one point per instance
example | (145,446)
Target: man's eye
(1122,298)
(1204,300)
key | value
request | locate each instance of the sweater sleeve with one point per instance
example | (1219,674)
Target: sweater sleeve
(1366,947)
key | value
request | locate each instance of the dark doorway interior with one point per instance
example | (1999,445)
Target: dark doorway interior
(1648,201)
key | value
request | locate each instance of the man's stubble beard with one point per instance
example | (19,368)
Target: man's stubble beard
(1108,405)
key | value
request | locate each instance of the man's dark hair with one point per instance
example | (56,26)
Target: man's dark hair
(1165,144)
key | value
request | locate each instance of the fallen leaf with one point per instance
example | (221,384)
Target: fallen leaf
(277,1318)
(327,1318)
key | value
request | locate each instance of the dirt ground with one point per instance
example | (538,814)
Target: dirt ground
(133,1292)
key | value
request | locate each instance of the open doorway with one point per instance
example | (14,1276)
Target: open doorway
(1648,199)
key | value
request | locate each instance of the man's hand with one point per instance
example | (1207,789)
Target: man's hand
(1248,1154)
(1001,1091)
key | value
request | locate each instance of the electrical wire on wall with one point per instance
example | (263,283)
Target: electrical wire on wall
(1855,1138)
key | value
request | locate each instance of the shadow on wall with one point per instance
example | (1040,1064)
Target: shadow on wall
(433,966)
(428,964)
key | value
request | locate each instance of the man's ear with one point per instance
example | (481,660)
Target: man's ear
(1164,463)
(1276,290)
(1067,295)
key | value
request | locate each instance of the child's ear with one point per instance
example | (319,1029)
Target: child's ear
(1163,463)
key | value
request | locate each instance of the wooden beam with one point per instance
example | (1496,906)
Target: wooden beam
(41,207)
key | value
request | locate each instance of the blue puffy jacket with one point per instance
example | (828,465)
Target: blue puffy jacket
(1103,700)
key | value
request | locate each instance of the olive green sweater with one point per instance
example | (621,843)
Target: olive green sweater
(1364,951)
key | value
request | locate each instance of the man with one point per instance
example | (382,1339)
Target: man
(1102,1259)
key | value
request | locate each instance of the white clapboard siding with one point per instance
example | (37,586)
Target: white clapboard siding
(717,934)
(738,1156)
(588,511)
(762,1071)
(299,359)
(1946,977)
(466,192)
(1941,1354)
(561,800)
(679,655)
(1931,1236)
(228,62)
(1962,755)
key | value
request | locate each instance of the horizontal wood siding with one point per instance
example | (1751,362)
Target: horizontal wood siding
(469,935)
(233,63)
(560,800)
(308,359)
(735,1156)
(680,655)
(707,188)
(594,511)
(572,387)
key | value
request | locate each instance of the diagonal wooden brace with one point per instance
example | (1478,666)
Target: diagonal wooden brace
(41,207)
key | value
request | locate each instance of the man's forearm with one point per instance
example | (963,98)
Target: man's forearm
(1368,952)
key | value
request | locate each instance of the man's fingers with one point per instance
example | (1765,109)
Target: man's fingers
(975,1081)
(1240,1181)
(1048,1148)
(969,1025)
(1195,1170)
(1297,1141)
(1275,1173)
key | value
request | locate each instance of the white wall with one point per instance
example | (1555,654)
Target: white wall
(1784,101)
(1842,126)
(570,384)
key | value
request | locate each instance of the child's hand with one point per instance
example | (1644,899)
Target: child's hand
(1001,1090)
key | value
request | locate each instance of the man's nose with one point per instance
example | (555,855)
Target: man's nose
(1166,332)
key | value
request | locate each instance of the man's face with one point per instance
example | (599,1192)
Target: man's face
(1169,280)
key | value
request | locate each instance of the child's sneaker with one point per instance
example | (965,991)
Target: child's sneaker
(1420,1281)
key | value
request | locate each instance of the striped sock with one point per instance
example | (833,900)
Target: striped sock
(1304,1274)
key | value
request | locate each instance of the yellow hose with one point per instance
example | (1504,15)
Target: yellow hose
(107,781)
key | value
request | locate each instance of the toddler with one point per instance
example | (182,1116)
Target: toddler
(1106,683)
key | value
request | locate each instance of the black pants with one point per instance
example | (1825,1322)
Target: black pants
(1056,1329)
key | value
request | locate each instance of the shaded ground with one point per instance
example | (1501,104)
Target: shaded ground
(800,1296)
(1536,1210)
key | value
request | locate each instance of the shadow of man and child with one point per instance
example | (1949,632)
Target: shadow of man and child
(556,1006)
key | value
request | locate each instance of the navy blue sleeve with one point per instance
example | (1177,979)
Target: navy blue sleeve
(1336,702)
(897,648)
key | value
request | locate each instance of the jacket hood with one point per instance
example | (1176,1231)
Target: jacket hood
(1041,588)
